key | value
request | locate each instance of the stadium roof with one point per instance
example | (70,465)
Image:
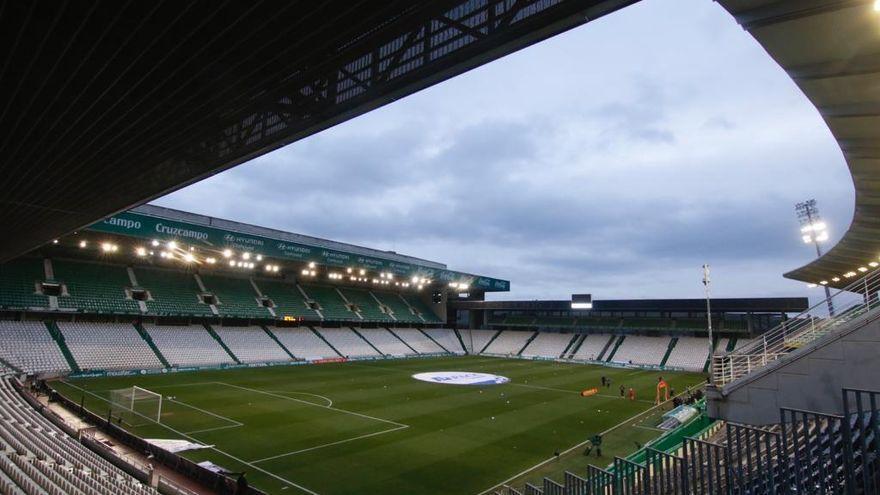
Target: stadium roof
(157,223)
(107,104)
(720,305)
(831,48)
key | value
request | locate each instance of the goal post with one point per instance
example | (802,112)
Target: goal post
(140,401)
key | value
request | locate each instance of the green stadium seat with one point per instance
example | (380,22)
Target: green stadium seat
(236,297)
(367,305)
(399,307)
(173,293)
(18,281)
(288,300)
(332,306)
(94,288)
(422,308)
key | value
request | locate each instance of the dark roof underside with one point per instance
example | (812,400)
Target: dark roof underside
(831,48)
(106,104)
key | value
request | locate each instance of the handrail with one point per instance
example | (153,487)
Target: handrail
(855,301)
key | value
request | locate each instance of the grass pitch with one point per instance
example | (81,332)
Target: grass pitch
(368,427)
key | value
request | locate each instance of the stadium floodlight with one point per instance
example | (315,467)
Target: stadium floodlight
(824,282)
(54,241)
(231,262)
(311,264)
(141,251)
(814,231)
(259,257)
(835,279)
(862,269)
(189,258)
(106,247)
(246,256)
(155,243)
(312,273)
(348,270)
(172,245)
(876,5)
(362,272)
(227,253)
(849,274)
(83,244)
(210,261)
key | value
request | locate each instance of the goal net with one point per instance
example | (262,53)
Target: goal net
(139,402)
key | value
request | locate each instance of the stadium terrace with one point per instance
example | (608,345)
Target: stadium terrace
(145,350)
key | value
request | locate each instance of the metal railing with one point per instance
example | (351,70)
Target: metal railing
(858,301)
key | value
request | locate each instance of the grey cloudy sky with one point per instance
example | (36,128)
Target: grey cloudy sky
(613,159)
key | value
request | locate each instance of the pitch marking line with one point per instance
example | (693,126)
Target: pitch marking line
(252,466)
(576,392)
(575,447)
(286,454)
(282,392)
(270,394)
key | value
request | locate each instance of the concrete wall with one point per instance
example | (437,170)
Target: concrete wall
(811,378)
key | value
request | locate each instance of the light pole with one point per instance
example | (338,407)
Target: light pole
(706,282)
(814,231)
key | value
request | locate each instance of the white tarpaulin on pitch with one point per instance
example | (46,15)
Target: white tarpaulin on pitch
(176,445)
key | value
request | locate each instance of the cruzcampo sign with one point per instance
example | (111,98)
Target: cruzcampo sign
(149,227)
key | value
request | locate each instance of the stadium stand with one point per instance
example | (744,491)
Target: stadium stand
(18,284)
(516,320)
(386,342)
(418,341)
(548,344)
(332,306)
(287,298)
(251,344)
(39,459)
(236,297)
(108,346)
(689,353)
(554,321)
(592,347)
(597,322)
(476,340)
(94,288)
(367,305)
(421,308)
(509,342)
(642,350)
(187,345)
(28,346)
(401,311)
(446,338)
(647,323)
(303,343)
(172,293)
(347,342)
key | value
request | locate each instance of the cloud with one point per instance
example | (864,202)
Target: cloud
(613,159)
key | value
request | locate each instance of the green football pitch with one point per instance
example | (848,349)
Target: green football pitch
(368,427)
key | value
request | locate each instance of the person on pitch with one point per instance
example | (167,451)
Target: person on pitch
(662,387)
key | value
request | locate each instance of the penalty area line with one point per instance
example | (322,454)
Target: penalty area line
(300,451)
(234,458)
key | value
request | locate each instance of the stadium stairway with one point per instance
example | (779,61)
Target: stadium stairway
(575,345)
(56,334)
(316,332)
(392,332)
(355,330)
(669,349)
(433,340)
(492,339)
(222,344)
(527,344)
(614,349)
(607,346)
(275,338)
(149,340)
(571,342)
(460,340)
(808,377)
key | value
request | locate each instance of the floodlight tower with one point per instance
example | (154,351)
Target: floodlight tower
(814,231)
(706,282)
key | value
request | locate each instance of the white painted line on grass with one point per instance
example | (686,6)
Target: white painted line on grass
(312,404)
(252,466)
(209,413)
(576,392)
(329,401)
(573,448)
(331,444)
